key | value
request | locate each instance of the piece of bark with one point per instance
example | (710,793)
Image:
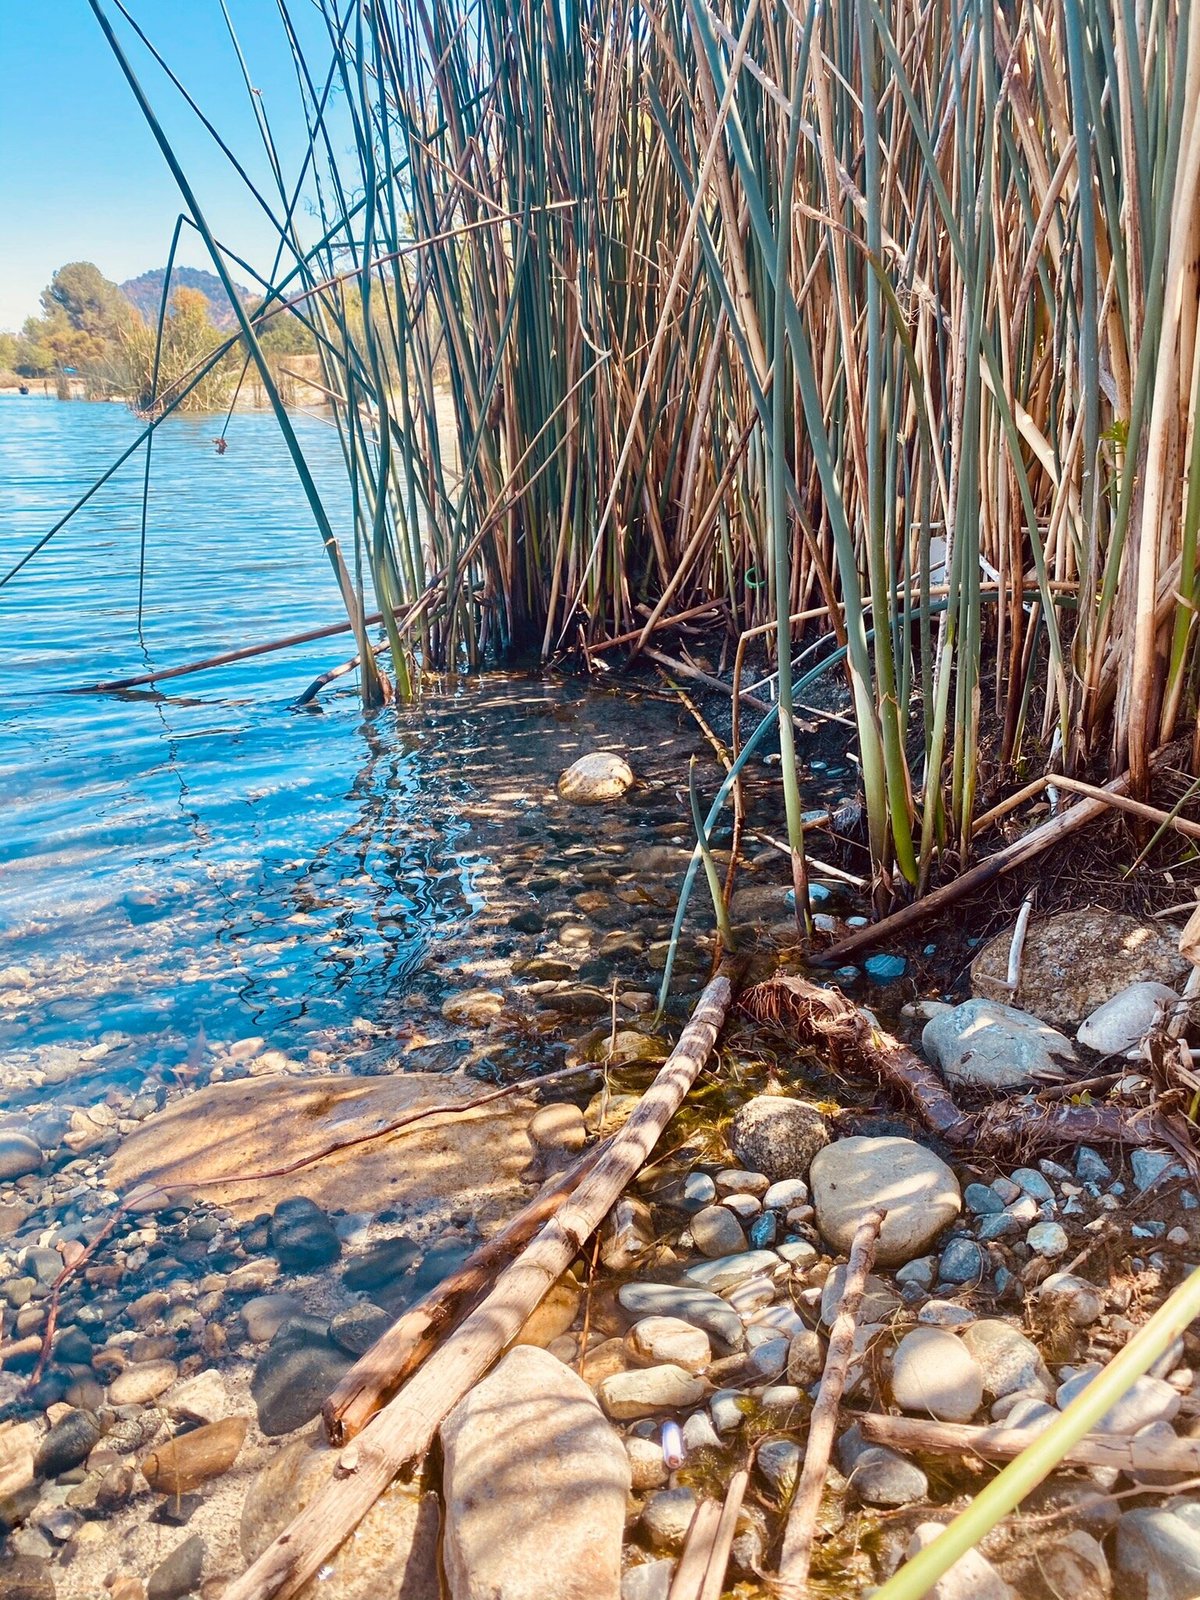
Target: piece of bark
(825,1018)
(802,1518)
(688,1580)
(1003,1444)
(722,1541)
(398,1353)
(401,1433)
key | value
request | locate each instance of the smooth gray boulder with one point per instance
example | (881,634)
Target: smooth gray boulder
(915,1188)
(1158,1554)
(935,1375)
(985,1045)
(535,1484)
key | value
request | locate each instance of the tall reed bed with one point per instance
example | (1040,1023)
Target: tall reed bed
(882,308)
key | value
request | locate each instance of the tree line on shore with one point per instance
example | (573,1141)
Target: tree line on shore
(92,332)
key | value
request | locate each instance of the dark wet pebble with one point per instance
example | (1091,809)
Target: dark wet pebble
(292,1378)
(527,921)
(73,1347)
(180,1573)
(302,1236)
(177,1510)
(962,1262)
(380,1264)
(44,1265)
(357,1328)
(440,1261)
(70,1441)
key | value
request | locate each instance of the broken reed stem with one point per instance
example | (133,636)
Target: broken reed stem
(690,1574)
(802,1518)
(402,1432)
(400,1351)
(722,1543)
(1004,1444)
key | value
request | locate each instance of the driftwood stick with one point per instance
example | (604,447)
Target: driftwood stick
(802,1518)
(826,1019)
(1004,1444)
(402,1432)
(1013,855)
(722,1543)
(398,1353)
(687,1584)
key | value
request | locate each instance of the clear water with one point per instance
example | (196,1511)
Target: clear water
(183,869)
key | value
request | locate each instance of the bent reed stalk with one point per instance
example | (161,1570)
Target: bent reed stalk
(662,302)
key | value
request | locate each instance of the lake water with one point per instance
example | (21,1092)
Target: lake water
(185,869)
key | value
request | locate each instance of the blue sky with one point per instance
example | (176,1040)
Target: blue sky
(81,177)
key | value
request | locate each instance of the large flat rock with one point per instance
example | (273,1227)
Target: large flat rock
(535,1484)
(227,1134)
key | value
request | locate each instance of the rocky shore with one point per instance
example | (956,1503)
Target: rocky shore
(175,1430)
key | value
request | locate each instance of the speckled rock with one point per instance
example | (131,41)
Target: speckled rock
(777,1136)
(1007,1360)
(917,1189)
(1073,962)
(535,1485)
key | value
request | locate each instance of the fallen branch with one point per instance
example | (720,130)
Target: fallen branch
(825,1018)
(722,1543)
(802,1518)
(1005,860)
(400,1351)
(402,1432)
(688,1582)
(1003,1444)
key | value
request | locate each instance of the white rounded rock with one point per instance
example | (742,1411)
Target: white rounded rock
(595,778)
(1121,1023)
(917,1191)
(935,1375)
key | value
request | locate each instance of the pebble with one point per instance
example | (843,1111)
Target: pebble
(1048,1239)
(797,1252)
(972,1577)
(885,968)
(786,1194)
(702,1308)
(359,1327)
(666,1517)
(1004,1226)
(777,1136)
(983,1044)
(919,1271)
(1146,1400)
(1090,1166)
(1149,1166)
(962,1261)
(671,1340)
(726,1272)
(934,1374)
(302,1236)
(699,1433)
(698,1191)
(805,1359)
(70,1441)
(649,1580)
(718,1232)
(879,1301)
(180,1573)
(734,1180)
(266,1313)
(1080,1301)
(745,1207)
(1007,1360)
(140,1384)
(879,1476)
(763,1231)
(192,1458)
(293,1376)
(916,1188)
(19,1155)
(779,1460)
(982,1200)
(945,1314)
(647,1467)
(727,1409)
(1120,1024)
(1028,1413)
(558,1128)
(1031,1182)
(649,1390)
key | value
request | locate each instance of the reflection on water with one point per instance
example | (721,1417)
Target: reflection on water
(182,871)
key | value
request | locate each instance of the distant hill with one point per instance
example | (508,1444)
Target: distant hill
(146,293)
